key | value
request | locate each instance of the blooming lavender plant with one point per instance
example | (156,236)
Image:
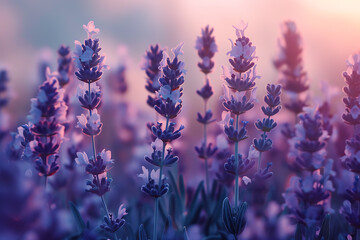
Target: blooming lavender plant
(308,197)
(90,65)
(65,66)
(44,133)
(206,47)
(240,79)
(290,65)
(351,160)
(151,65)
(168,106)
(263,144)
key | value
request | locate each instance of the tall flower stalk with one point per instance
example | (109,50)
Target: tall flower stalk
(272,99)
(44,134)
(65,65)
(238,98)
(308,197)
(351,160)
(90,65)
(289,63)
(206,47)
(151,66)
(168,106)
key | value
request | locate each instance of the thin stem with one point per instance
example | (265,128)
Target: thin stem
(107,212)
(159,186)
(357,234)
(156,218)
(205,156)
(94,152)
(186,234)
(104,205)
(237,165)
(259,161)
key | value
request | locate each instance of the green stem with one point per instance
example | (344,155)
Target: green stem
(159,185)
(237,165)
(156,218)
(94,153)
(107,212)
(206,157)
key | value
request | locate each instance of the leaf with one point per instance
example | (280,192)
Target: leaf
(298,232)
(194,208)
(325,229)
(172,209)
(227,216)
(79,221)
(182,187)
(142,233)
(176,191)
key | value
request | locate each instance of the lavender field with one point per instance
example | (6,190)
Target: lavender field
(169,120)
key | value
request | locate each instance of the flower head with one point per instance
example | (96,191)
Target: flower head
(90,29)
(90,124)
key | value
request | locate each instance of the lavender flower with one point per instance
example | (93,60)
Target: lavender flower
(45,131)
(151,65)
(307,200)
(169,106)
(154,185)
(90,65)
(309,142)
(237,100)
(65,65)
(112,225)
(308,197)
(263,144)
(351,160)
(351,206)
(352,78)
(206,47)
(290,65)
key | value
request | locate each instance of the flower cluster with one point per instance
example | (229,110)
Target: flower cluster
(238,98)
(87,57)
(351,206)
(263,144)
(151,65)
(45,131)
(4,98)
(310,140)
(168,106)
(352,90)
(111,224)
(308,197)
(90,64)
(289,63)
(65,65)
(206,46)
(351,160)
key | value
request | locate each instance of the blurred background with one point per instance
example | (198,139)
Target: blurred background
(33,30)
